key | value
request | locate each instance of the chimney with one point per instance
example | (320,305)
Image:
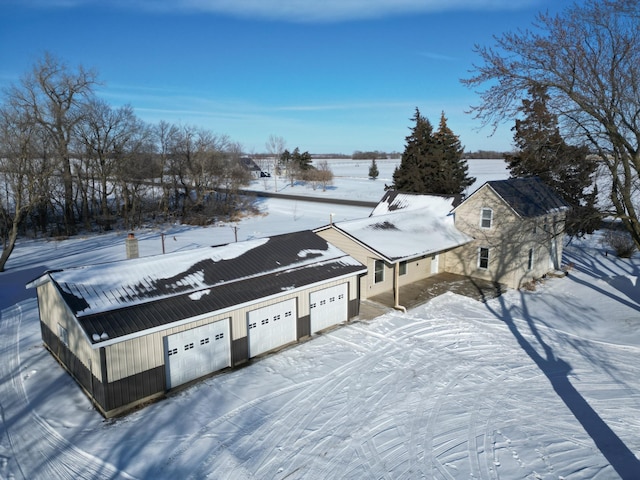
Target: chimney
(132,246)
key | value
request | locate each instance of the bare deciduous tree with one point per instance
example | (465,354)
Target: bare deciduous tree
(275,147)
(52,96)
(588,60)
(20,169)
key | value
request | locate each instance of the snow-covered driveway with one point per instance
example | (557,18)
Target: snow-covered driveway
(542,384)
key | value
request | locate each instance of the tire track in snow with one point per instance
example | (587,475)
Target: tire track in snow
(188,441)
(45,454)
(315,404)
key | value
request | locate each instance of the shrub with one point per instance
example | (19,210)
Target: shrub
(621,243)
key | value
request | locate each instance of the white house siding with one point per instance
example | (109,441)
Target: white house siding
(54,311)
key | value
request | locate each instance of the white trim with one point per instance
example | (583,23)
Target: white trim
(222,311)
(482,219)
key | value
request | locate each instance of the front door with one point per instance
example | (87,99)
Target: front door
(435,260)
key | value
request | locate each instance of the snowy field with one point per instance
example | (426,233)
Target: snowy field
(351,179)
(532,385)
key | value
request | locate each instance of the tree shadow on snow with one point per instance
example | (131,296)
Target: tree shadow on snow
(621,274)
(557,371)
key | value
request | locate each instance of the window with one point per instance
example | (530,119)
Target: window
(402,268)
(379,271)
(530,260)
(486,217)
(483,258)
(64,336)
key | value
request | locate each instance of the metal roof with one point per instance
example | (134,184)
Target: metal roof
(129,297)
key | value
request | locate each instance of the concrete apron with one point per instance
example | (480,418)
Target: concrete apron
(417,293)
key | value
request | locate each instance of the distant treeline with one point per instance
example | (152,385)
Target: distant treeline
(374,155)
(484,154)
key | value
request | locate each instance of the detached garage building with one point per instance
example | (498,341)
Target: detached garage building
(128,331)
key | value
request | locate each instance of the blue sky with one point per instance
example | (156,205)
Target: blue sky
(330,76)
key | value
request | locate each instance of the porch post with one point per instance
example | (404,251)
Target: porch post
(396,288)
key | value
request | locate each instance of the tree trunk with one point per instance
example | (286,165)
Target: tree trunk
(11,243)
(67,179)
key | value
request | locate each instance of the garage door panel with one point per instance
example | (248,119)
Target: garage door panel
(271,327)
(328,307)
(197,352)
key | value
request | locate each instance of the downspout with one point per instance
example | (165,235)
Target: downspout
(396,288)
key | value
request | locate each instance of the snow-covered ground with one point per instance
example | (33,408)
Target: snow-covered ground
(532,385)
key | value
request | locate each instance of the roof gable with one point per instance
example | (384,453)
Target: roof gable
(528,197)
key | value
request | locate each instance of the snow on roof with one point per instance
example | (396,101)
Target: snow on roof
(98,288)
(406,234)
(393,201)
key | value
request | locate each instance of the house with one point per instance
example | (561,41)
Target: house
(129,331)
(518,228)
(406,238)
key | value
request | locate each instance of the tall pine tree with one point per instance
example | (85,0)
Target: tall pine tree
(431,162)
(567,169)
(455,173)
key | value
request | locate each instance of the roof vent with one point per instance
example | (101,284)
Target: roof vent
(104,336)
(95,337)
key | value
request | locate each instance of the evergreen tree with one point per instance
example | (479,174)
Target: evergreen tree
(407,177)
(431,162)
(567,169)
(454,175)
(373,170)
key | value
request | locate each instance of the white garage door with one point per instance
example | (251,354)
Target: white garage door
(328,307)
(272,326)
(197,352)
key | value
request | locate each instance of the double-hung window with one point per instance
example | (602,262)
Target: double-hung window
(486,218)
(530,260)
(483,258)
(378,271)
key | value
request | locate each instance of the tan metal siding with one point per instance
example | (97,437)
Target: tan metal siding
(143,353)
(54,311)
(347,245)
(146,352)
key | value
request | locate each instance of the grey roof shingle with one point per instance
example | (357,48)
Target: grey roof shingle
(529,197)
